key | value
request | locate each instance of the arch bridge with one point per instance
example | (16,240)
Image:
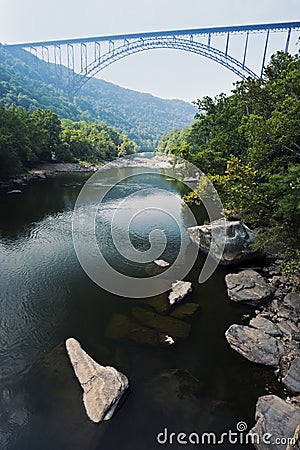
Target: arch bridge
(85,57)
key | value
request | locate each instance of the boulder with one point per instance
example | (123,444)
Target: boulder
(103,387)
(295,445)
(291,303)
(292,378)
(179,290)
(161,263)
(254,344)
(289,328)
(275,420)
(248,287)
(231,243)
(266,325)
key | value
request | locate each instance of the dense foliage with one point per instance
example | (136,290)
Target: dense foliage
(28,138)
(28,82)
(249,145)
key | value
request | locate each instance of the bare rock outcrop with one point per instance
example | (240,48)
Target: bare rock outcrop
(228,241)
(103,387)
(248,287)
(179,290)
(254,344)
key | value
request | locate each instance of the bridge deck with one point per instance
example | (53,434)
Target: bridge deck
(257,28)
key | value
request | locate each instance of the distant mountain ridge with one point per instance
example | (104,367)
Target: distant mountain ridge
(31,83)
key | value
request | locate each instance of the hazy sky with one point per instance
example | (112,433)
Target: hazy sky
(166,73)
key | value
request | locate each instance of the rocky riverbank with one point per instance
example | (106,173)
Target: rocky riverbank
(272,335)
(14,184)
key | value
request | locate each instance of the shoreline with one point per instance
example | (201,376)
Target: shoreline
(43,171)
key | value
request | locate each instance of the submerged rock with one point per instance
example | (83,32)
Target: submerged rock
(184,311)
(231,243)
(103,387)
(176,392)
(122,327)
(277,418)
(179,290)
(248,287)
(254,344)
(164,324)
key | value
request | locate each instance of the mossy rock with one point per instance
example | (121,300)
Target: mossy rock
(165,324)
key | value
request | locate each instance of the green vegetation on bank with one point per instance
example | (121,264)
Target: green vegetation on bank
(29,138)
(248,143)
(26,81)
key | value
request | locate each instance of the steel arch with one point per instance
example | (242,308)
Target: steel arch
(143,44)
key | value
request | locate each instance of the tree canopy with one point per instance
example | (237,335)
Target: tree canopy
(248,143)
(28,138)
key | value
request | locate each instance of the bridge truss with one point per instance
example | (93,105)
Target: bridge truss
(85,57)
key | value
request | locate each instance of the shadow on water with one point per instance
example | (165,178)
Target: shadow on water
(198,385)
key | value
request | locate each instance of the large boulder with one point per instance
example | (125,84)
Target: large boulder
(248,287)
(277,421)
(254,344)
(103,387)
(265,325)
(292,378)
(228,241)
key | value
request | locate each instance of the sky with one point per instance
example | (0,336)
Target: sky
(164,73)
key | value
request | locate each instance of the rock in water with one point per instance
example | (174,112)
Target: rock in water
(278,418)
(254,344)
(15,191)
(247,287)
(164,324)
(179,290)
(103,387)
(228,241)
(161,263)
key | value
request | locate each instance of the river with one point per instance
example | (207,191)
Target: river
(198,385)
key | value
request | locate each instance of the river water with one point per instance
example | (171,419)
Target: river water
(198,385)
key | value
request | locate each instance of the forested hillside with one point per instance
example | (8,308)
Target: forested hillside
(26,82)
(30,138)
(249,145)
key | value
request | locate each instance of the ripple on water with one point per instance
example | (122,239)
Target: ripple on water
(34,292)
